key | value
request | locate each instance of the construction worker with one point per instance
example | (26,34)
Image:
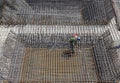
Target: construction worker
(73,42)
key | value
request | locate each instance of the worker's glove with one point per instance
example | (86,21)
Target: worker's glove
(78,38)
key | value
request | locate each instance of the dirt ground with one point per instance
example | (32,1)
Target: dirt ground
(49,66)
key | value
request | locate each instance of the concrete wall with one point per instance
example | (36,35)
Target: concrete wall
(9,10)
(4,62)
(98,12)
(9,45)
(16,62)
(116,6)
(11,50)
(112,54)
(63,12)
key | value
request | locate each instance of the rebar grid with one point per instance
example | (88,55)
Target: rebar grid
(34,51)
(62,12)
(48,40)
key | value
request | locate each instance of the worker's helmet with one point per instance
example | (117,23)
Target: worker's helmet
(75,35)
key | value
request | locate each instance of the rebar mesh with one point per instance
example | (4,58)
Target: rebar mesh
(33,50)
